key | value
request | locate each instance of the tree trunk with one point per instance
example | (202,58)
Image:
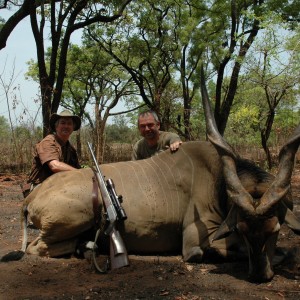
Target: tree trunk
(265,134)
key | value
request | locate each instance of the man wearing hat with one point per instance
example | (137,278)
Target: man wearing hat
(55,153)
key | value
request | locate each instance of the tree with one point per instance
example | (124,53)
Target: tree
(289,11)
(159,42)
(119,131)
(8,88)
(230,31)
(187,20)
(158,38)
(277,75)
(94,79)
(139,45)
(64,18)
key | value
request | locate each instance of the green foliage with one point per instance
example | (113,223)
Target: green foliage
(119,132)
(23,133)
(157,45)
(248,116)
(287,119)
(287,9)
(32,72)
(243,125)
(270,86)
(94,78)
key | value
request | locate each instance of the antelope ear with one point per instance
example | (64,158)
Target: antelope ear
(292,221)
(228,226)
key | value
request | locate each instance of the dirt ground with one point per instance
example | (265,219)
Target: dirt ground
(146,278)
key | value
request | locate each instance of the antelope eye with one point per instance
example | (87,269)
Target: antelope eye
(242,227)
(272,225)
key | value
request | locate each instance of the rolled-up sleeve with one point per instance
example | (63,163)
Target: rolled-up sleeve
(48,150)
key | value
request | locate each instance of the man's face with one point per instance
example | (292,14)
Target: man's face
(148,127)
(64,128)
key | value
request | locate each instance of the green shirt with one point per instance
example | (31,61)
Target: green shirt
(142,150)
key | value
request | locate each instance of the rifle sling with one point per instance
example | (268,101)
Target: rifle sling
(98,209)
(96,204)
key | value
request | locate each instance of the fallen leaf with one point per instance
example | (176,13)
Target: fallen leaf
(164,293)
(189,267)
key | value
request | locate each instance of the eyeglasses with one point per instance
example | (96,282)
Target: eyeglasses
(149,125)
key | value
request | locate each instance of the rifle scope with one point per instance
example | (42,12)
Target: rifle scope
(116,200)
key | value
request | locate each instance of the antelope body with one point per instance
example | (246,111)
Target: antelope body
(174,203)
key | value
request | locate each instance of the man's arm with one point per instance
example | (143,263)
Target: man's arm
(174,141)
(59,166)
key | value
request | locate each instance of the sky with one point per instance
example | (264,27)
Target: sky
(20,48)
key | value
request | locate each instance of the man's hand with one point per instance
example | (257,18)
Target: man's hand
(175,146)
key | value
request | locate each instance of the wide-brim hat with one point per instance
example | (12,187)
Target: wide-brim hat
(65,114)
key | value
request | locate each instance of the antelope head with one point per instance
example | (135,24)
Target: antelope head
(256,217)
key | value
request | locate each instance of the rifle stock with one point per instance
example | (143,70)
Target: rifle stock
(118,252)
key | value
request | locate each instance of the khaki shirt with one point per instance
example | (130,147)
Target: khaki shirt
(51,148)
(142,150)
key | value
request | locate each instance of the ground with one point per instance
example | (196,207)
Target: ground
(145,278)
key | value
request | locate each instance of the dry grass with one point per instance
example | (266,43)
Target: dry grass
(20,161)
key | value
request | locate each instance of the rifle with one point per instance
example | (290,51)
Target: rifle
(114,212)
